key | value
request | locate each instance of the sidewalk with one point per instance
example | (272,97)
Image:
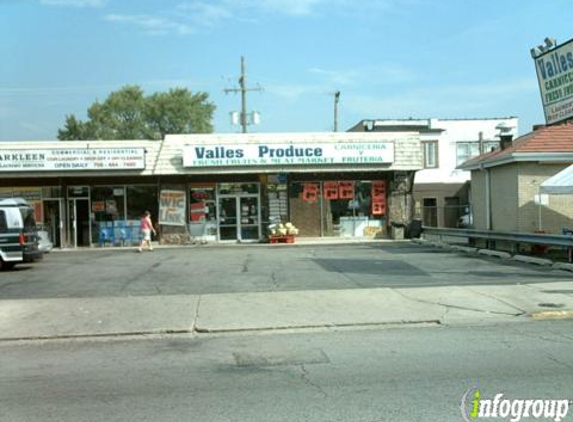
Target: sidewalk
(245,312)
(304,241)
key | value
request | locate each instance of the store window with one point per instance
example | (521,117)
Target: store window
(354,208)
(339,208)
(430,154)
(141,199)
(203,211)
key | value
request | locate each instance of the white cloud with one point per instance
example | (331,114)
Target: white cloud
(206,13)
(290,7)
(152,25)
(75,3)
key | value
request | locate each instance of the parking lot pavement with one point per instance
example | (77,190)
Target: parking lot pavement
(235,289)
(260,268)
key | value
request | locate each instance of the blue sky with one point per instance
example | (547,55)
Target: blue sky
(389,58)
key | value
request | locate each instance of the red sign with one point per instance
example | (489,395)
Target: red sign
(378,208)
(310,192)
(330,190)
(197,212)
(346,190)
(379,189)
(200,195)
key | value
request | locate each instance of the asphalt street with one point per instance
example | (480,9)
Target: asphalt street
(405,374)
(215,269)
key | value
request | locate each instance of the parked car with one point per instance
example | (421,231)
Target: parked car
(45,245)
(18,235)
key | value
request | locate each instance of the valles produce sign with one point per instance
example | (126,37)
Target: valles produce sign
(555,76)
(288,154)
(65,159)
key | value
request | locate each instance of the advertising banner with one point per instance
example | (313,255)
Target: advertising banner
(555,76)
(172,208)
(287,154)
(66,159)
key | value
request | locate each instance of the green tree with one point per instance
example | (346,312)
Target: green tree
(75,129)
(129,114)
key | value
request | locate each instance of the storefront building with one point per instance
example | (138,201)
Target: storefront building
(227,187)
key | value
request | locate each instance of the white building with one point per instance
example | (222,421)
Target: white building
(441,191)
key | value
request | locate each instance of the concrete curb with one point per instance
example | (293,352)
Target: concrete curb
(563,266)
(497,254)
(465,249)
(532,260)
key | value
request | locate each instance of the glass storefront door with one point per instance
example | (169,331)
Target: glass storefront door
(239,217)
(79,222)
(79,217)
(53,222)
(228,223)
(249,223)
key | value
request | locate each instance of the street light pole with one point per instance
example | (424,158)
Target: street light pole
(336,101)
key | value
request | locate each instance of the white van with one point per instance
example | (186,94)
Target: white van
(18,235)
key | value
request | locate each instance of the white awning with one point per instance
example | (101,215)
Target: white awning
(560,184)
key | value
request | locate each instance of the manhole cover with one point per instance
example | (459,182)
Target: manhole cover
(551,305)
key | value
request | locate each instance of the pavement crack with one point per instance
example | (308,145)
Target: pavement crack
(521,311)
(306,380)
(463,308)
(558,361)
(274,281)
(245,268)
(194,326)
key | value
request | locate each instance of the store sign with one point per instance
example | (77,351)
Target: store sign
(555,76)
(172,208)
(288,154)
(65,159)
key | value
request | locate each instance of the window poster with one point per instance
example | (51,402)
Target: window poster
(345,190)
(310,192)
(331,190)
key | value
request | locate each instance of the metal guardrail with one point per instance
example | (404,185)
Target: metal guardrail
(514,237)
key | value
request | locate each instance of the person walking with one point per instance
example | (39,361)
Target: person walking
(146,228)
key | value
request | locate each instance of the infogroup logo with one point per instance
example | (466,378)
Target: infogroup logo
(475,406)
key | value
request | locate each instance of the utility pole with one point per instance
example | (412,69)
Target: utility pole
(243,90)
(336,101)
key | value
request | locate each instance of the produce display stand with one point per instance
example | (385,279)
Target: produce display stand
(277,238)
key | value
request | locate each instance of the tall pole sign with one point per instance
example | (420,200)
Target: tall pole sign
(554,67)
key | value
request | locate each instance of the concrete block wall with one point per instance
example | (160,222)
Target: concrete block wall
(504,198)
(477,199)
(559,212)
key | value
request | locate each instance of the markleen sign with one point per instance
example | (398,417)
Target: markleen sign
(64,159)
(273,154)
(555,76)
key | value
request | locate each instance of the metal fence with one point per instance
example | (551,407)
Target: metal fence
(540,242)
